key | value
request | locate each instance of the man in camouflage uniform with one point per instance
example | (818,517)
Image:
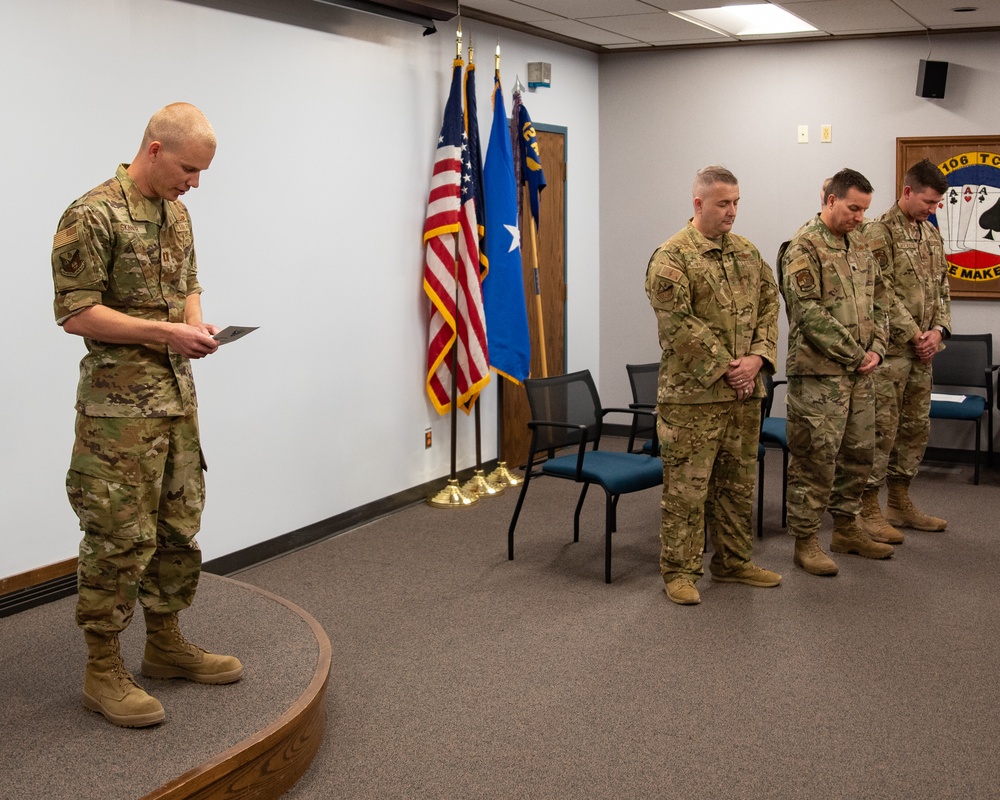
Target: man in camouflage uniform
(911,254)
(836,305)
(716,307)
(125,275)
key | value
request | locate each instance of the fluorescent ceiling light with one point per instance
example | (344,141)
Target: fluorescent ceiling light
(762,19)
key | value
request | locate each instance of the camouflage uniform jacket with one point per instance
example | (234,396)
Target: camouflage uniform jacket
(714,302)
(914,266)
(116,248)
(835,298)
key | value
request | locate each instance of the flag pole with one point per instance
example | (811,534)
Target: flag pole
(478,485)
(501,475)
(532,237)
(452,496)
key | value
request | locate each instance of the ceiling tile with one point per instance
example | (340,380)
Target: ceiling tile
(659,27)
(582,9)
(584,32)
(939,14)
(854,16)
(510,10)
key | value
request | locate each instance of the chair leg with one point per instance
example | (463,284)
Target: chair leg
(784,489)
(760,498)
(975,479)
(989,425)
(517,513)
(609,527)
(576,516)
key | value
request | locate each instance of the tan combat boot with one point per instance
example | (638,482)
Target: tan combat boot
(810,556)
(682,592)
(109,689)
(901,511)
(849,538)
(169,655)
(873,523)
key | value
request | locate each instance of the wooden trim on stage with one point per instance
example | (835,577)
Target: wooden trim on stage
(33,577)
(269,763)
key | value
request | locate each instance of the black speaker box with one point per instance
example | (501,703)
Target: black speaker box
(931,78)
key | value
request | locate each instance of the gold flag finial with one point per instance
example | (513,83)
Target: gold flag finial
(496,61)
(458,40)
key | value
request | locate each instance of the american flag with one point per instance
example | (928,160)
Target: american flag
(451,229)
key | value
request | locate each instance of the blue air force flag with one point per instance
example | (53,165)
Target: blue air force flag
(503,287)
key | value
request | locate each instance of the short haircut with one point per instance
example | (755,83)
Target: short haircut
(177,124)
(925,175)
(844,181)
(706,177)
(824,192)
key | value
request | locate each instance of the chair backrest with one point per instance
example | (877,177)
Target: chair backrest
(568,398)
(965,361)
(768,402)
(643,380)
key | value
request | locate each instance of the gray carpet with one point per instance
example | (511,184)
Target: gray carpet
(458,674)
(52,747)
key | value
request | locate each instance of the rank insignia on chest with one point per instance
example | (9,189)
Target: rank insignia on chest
(71,264)
(805,281)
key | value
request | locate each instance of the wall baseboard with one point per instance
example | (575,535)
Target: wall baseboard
(45,584)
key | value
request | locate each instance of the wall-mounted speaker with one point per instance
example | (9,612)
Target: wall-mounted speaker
(931,77)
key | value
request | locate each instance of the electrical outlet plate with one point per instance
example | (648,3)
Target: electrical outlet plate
(803,134)
(826,133)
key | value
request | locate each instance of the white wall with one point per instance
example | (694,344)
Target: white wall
(308,224)
(664,115)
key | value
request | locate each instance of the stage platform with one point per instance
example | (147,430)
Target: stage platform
(251,739)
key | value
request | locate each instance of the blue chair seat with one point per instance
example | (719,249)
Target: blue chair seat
(971,408)
(619,473)
(773,431)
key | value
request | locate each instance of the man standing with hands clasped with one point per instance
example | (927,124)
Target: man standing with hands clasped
(836,305)
(912,257)
(126,280)
(716,307)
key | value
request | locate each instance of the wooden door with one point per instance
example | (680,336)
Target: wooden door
(513,406)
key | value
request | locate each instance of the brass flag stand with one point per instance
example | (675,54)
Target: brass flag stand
(452,496)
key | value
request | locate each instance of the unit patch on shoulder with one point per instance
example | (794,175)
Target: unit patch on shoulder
(66,236)
(805,281)
(882,258)
(665,294)
(71,263)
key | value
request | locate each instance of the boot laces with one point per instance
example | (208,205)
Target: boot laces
(118,667)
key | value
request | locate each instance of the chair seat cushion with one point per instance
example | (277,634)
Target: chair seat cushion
(971,408)
(619,473)
(773,431)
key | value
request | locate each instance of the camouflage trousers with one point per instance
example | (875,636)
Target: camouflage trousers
(709,452)
(831,445)
(902,418)
(138,488)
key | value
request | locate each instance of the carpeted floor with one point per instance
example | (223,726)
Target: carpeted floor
(459,674)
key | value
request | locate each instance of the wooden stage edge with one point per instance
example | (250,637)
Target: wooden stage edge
(270,762)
